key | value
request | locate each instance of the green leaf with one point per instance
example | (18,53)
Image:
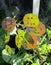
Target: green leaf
(10,50)
(48,60)
(5,55)
(2,44)
(1,31)
(43,49)
(49,47)
(49,32)
(34,64)
(42,39)
(28,37)
(21,63)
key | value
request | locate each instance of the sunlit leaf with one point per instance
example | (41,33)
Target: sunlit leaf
(18,41)
(21,33)
(7,37)
(42,39)
(10,50)
(49,47)
(34,64)
(44,49)
(49,32)
(19,38)
(5,55)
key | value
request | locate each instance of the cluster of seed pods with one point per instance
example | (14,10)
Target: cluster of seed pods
(30,21)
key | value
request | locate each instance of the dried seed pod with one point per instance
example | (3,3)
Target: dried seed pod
(39,30)
(28,44)
(8,24)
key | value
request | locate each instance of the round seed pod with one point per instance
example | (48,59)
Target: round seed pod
(31,43)
(39,30)
(8,24)
(30,20)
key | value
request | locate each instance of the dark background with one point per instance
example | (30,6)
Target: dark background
(25,6)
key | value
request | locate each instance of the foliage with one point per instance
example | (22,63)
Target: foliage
(7,37)
(41,55)
(19,38)
(49,32)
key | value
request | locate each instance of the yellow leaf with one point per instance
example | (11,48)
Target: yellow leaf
(8,48)
(18,41)
(7,38)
